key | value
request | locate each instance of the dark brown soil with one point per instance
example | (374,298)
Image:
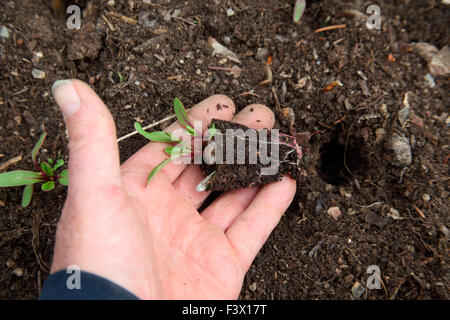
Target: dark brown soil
(349,165)
(241,171)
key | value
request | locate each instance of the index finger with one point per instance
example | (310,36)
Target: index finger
(141,163)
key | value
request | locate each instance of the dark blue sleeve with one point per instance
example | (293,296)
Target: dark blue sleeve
(92,287)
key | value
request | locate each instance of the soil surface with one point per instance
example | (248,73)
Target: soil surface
(374,188)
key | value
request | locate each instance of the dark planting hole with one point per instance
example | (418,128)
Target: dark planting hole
(336,160)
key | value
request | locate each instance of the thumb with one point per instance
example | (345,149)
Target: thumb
(93,151)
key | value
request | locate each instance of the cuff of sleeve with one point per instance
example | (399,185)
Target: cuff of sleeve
(61,286)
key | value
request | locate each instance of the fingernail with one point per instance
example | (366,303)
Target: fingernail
(66,97)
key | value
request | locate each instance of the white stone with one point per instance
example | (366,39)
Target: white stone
(38,74)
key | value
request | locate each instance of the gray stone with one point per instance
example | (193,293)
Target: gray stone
(261,54)
(38,74)
(4,33)
(357,290)
(403,115)
(402,151)
(440,63)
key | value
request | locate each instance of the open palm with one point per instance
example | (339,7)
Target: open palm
(151,239)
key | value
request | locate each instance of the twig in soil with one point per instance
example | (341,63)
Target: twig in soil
(337,26)
(123,17)
(420,212)
(394,294)
(446,159)
(317,282)
(35,243)
(382,283)
(331,85)
(185,21)
(401,175)
(370,205)
(235,69)
(154,124)
(326,126)
(111,27)
(387,70)
(277,101)
(247,93)
(177,77)
(268,75)
(10,162)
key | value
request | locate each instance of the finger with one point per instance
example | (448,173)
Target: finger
(250,230)
(142,162)
(228,206)
(187,182)
(93,151)
(253,116)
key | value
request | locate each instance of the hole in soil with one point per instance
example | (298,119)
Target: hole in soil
(336,160)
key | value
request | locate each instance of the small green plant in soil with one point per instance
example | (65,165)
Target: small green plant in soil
(299,9)
(47,174)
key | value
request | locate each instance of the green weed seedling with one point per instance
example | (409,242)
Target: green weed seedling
(47,175)
(180,148)
(299,9)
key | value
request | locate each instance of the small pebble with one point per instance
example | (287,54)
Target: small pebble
(440,63)
(383,110)
(230,12)
(402,151)
(18,272)
(335,212)
(429,80)
(10,263)
(444,230)
(403,115)
(357,290)
(380,133)
(394,214)
(4,33)
(261,54)
(426,197)
(38,74)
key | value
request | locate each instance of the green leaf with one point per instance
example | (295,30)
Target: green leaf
(180,112)
(47,169)
(50,161)
(191,130)
(27,195)
(19,178)
(168,150)
(59,163)
(63,177)
(212,131)
(48,186)
(157,169)
(299,9)
(158,136)
(38,146)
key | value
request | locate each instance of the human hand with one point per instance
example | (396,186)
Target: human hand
(150,239)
